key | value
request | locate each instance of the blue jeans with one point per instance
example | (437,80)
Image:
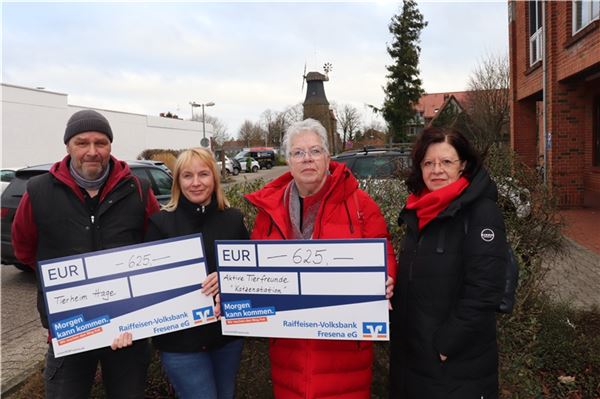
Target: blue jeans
(204,375)
(123,372)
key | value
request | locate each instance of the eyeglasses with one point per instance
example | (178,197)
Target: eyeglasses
(315,152)
(445,164)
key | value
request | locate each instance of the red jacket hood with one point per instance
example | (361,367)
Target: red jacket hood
(118,171)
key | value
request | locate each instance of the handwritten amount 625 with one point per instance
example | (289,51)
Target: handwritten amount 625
(308,256)
(139,261)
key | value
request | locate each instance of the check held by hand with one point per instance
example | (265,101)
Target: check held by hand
(122,341)
(389,290)
(210,286)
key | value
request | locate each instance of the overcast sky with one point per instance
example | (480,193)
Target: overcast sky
(151,57)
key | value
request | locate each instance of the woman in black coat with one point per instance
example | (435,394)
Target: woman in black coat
(200,362)
(450,275)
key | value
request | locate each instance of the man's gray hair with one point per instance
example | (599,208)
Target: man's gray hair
(307,125)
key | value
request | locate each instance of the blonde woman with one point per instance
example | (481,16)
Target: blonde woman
(200,362)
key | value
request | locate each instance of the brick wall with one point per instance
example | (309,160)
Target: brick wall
(572,84)
(523,129)
(567,121)
(573,53)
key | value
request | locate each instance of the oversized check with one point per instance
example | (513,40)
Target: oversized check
(146,289)
(323,289)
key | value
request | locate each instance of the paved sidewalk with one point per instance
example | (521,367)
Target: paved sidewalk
(583,227)
(23,337)
(576,278)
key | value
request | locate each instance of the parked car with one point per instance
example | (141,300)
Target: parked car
(155,172)
(6,176)
(375,163)
(264,155)
(232,166)
(385,163)
(254,165)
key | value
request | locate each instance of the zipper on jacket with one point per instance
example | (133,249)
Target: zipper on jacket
(201,209)
(95,232)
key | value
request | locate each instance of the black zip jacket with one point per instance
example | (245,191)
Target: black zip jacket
(449,286)
(214,224)
(64,224)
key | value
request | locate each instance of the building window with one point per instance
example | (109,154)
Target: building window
(536,40)
(584,12)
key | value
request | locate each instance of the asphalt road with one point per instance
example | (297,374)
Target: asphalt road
(267,174)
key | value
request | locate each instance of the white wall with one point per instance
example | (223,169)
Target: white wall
(33,125)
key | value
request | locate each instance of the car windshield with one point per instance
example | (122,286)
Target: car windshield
(375,167)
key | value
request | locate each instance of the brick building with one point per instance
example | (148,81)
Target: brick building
(555,94)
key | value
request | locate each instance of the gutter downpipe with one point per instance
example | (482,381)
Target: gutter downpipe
(544,101)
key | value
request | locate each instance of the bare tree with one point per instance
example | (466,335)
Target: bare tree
(294,113)
(274,124)
(487,103)
(349,122)
(251,133)
(220,134)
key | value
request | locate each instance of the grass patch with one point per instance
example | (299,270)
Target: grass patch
(551,351)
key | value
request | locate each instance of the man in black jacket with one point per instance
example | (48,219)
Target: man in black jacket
(89,201)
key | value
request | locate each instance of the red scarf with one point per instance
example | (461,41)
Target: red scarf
(430,203)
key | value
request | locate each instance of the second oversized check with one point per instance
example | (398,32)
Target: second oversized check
(322,289)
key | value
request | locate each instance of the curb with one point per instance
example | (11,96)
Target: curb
(15,383)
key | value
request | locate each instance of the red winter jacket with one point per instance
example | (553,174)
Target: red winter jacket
(311,368)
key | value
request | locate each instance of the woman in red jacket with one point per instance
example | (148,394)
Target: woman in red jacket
(318,199)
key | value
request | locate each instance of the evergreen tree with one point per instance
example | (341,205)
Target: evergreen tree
(403,89)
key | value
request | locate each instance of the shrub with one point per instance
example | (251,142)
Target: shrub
(235,194)
(537,235)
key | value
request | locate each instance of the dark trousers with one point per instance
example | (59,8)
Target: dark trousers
(123,372)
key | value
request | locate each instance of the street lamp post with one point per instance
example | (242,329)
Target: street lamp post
(204,141)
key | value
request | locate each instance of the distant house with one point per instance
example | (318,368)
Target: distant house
(554,51)
(431,105)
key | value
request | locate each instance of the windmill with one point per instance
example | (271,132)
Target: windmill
(315,104)
(303,78)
